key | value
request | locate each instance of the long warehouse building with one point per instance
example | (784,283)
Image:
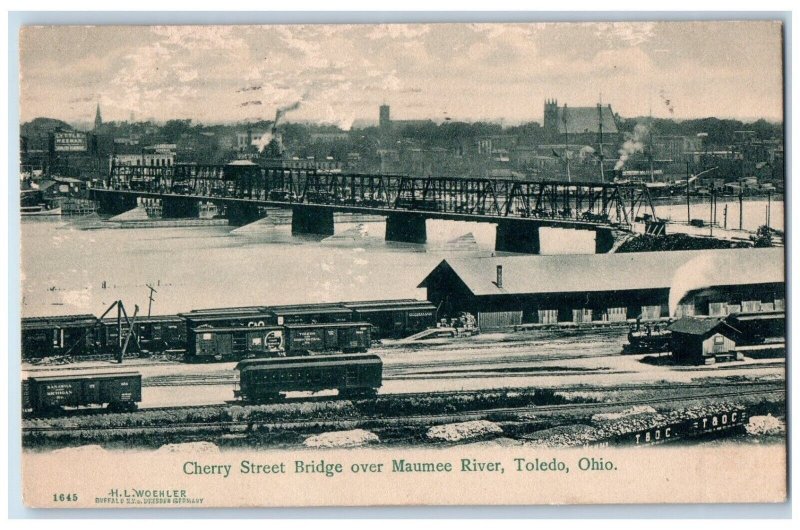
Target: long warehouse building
(514,290)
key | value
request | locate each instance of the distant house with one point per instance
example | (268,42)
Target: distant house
(703,340)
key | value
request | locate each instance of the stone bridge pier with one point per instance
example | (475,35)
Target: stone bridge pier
(240,213)
(406,228)
(179,207)
(517,236)
(312,220)
(112,203)
(604,239)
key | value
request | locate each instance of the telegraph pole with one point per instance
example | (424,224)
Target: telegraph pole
(150,298)
(769,207)
(711,213)
(600,117)
(741,208)
(566,143)
(688,203)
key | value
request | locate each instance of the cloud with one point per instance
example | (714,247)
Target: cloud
(200,37)
(398,31)
(629,33)
(468,70)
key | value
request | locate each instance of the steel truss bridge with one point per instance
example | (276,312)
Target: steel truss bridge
(549,203)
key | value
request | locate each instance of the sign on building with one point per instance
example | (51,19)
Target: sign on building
(70,141)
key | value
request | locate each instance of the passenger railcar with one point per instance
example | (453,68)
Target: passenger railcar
(119,391)
(264,380)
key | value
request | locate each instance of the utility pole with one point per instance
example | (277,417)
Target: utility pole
(725,216)
(566,142)
(650,151)
(600,118)
(711,213)
(688,203)
(119,325)
(150,298)
(769,207)
(741,208)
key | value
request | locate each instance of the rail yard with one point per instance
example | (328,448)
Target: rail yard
(560,377)
(494,355)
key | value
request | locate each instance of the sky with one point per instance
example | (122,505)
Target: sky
(342,73)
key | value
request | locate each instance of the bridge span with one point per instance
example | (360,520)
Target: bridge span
(517,208)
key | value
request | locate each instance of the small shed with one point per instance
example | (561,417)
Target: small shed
(703,340)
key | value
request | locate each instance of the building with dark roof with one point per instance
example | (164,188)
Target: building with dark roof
(580,125)
(508,291)
(703,340)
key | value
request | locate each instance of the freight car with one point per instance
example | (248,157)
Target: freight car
(347,337)
(206,343)
(756,328)
(311,314)
(84,335)
(228,317)
(264,380)
(155,334)
(121,391)
(394,318)
(59,335)
(389,318)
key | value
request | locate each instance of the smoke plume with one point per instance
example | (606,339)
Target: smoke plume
(667,101)
(263,142)
(634,143)
(282,111)
(267,137)
(586,153)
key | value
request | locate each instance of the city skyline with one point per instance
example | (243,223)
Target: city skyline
(341,73)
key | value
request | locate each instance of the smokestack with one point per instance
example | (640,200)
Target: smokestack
(500,276)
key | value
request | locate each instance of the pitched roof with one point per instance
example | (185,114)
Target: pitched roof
(586,120)
(699,326)
(695,269)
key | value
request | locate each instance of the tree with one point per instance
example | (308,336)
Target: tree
(763,237)
(173,129)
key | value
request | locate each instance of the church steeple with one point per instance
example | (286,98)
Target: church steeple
(98,119)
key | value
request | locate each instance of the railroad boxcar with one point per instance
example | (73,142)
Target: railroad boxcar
(119,391)
(348,337)
(311,314)
(229,317)
(155,334)
(207,343)
(61,335)
(756,328)
(394,318)
(352,375)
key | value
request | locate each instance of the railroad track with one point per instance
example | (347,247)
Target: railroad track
(779,385)
(340,423)
(391,349)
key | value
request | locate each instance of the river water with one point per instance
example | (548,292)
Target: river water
(68,270)
(754,212)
